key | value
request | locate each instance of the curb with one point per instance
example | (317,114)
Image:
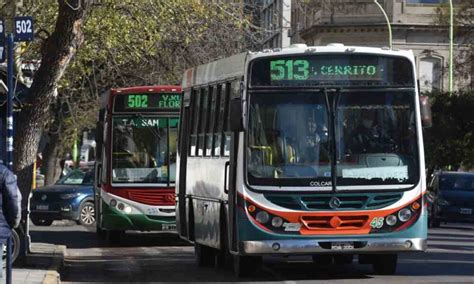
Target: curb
(52,275)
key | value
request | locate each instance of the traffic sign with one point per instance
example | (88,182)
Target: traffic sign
(23,28)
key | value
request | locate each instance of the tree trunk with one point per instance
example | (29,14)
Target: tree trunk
(52,168)
(57,52)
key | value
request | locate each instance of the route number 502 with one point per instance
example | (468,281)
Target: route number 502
(24,28)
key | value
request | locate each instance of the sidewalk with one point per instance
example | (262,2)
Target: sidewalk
(42,265)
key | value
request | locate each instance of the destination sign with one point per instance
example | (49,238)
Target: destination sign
(146,122)
(331,69)
(147,102)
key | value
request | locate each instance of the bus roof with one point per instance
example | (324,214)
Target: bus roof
(234,66)
(141,89)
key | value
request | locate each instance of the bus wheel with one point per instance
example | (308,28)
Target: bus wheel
(204,255)
(385,264)
(322,259)
(246,266)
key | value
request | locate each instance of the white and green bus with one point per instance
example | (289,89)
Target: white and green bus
(303,150)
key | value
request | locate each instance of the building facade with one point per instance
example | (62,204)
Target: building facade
(361,22)
(274,18)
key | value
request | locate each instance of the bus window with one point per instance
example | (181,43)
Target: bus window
(195,106)
(203,120)
(211,119)
(220,115)
(226,143)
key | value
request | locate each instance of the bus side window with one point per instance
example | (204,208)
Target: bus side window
(203,121)
(219,122)
(213,120)
(210,119)
(195,104)
(232,91)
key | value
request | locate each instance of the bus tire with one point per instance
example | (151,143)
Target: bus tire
(246,266)
(204,255)
(385,264)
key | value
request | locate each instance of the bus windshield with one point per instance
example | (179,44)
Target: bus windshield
(289,138)
(376,138)
(144,150)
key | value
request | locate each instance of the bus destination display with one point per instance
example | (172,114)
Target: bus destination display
(144,102)
(331,69)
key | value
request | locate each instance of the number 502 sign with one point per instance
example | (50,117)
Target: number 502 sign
(23,28)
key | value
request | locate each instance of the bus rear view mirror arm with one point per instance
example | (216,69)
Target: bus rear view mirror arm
(425,109)
(235,115)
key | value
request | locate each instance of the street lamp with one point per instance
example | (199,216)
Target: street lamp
(450,72)
(388,23)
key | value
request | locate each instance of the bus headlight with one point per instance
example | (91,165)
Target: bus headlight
(391,220)
(262,217)
(113,202)
(404,215)
(277,222)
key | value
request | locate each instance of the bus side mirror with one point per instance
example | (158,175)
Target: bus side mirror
(425,109)
(235,115)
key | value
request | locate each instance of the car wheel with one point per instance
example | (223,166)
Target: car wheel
(42,222)
(15,248)
(87,214)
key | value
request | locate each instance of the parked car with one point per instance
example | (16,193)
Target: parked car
(71,198)
(451,196)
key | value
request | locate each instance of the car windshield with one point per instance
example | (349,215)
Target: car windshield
(77,177)
(376,138)
(290,136)
(144,150)
(456,183)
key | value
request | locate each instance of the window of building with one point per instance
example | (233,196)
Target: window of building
(430,74)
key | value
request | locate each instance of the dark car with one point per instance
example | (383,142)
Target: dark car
(452,197)
(71,198)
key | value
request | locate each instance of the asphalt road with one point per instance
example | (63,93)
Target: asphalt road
(164,257)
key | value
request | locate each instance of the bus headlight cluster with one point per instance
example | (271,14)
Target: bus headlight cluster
(121,206)
(264,217)
(403,215)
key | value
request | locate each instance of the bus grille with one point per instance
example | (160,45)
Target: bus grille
(320,202)
(334,222)
(162,197)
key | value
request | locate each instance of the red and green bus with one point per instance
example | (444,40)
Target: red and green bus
(136,160)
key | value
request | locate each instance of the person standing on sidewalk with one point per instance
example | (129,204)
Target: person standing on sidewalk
(10,207)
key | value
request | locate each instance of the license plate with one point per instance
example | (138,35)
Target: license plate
(168,227)
(42,207)
(342,246)
(466,211)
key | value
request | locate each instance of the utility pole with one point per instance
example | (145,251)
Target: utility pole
(388,23)
(450,72)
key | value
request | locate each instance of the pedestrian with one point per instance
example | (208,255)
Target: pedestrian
(10,207)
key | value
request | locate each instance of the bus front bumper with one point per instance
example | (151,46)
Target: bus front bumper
(332,246)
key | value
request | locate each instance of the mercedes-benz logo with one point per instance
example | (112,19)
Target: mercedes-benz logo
(43,197)
(334,203)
